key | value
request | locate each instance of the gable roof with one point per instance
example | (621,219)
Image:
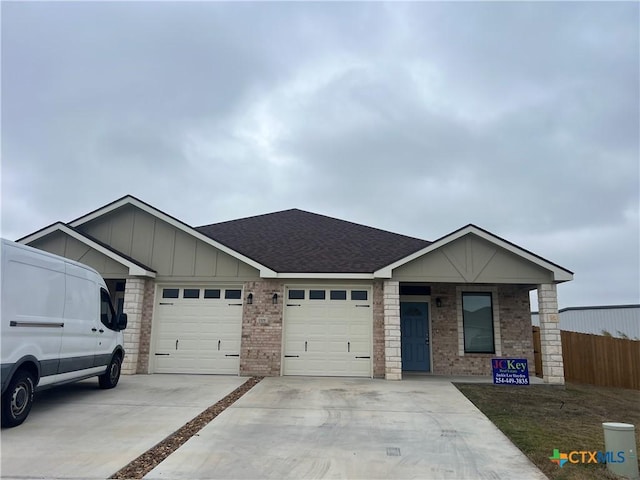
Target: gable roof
(560,274)
(134,266)
(296,241)
(298,244)
(265,272)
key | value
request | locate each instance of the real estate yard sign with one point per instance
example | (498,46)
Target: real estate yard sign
(510,371)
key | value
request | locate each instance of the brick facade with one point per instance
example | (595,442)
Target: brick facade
(515,324)
(145,326)
(261,344)
(262,328)
(378,329)
(515,337)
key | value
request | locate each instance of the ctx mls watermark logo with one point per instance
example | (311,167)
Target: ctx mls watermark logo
(585,456)
(558,458)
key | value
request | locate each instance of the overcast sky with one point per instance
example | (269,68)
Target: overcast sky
(419,118)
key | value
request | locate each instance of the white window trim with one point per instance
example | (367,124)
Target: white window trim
(497,339)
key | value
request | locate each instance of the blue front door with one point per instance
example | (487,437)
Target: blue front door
(414,325)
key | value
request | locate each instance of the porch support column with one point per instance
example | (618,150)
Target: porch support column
(392,355)
(550,338)
(133,303)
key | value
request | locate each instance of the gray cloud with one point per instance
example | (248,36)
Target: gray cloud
(415,117)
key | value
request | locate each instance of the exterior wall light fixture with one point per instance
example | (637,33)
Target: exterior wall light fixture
(438,302)
(250,299)
(274,299)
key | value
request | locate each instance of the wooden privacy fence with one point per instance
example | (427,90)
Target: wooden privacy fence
(600,360)
(596,359)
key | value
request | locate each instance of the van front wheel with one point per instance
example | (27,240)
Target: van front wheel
(18,399)
(109,379)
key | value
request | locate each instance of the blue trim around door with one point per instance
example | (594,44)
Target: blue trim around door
(414,326)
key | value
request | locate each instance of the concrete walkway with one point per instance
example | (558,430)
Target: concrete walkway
(298,427)
(79,431)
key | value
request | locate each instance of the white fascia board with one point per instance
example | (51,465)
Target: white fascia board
(559,274)
(327,276)
(134,269)
(102,211)
(40,233)
(265,272)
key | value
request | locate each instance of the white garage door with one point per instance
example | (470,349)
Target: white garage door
(328,331)
(198,329)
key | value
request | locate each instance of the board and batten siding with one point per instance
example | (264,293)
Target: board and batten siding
(61,244)
(471,259)
(172,253)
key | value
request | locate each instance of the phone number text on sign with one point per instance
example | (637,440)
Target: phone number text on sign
(510,371)
(512,381)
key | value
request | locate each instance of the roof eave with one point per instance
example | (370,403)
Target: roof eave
(324,276)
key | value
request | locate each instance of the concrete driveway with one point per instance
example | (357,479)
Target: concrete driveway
(295,427)
(291,427)
(80,431)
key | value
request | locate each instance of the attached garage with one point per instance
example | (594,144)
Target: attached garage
(292,293)
(328,331)
(197,329)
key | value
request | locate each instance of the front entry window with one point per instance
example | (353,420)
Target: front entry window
(477,316)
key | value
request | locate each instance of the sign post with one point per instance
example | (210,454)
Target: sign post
(510,371)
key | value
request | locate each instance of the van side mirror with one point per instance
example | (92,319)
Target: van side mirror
(121,321)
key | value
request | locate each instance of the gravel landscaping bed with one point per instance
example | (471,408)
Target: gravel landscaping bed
(146,462)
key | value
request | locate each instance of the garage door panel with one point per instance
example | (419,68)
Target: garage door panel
(335,332)
(360,347)
(347,367)
(207,331)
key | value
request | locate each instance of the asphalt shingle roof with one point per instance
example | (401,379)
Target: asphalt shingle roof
(296,241)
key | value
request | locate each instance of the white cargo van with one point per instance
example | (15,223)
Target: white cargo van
(58,326)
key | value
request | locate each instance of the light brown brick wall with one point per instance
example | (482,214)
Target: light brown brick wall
(378,329)
(515,322)
(261,344)
(515,330)
(145,326)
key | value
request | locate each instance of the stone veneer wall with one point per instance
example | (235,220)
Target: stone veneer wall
(261,344)
(515,330)
(550,337)
(133,298)
(145,326)
(378,329)
(392,348)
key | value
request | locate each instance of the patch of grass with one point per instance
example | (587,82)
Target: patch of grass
(539,418)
